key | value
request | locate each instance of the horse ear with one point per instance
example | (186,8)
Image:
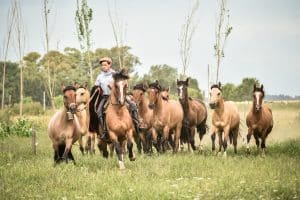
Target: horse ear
(156,81)
(254,87)
(220,85)
(110,86)
(168,89)
(85,85)
(187,81)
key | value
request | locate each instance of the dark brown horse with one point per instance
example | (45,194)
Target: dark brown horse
(195,115)
(225,119)
(259,119)
(118,119)
(167,116)
(64,127)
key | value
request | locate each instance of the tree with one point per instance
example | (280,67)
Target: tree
(83,18)
(10,23)
(20,46)
(222,32)
(245,89)
(119,31)
(185,38)
(229,92)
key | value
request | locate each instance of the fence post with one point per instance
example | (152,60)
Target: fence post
(34,143)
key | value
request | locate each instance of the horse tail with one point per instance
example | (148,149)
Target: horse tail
(202,127)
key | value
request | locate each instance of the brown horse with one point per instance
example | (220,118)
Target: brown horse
(118,119)
(64,127)
(225,119)
(83,114)
(195,115)
(145,114)
(167,116)
(259,119)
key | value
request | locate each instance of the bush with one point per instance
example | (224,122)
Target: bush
(21,127)
(29,108)
(5,115)
(58,101)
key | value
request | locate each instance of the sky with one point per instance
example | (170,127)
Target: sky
(264,43)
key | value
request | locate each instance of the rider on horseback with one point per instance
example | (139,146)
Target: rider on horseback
(104,80)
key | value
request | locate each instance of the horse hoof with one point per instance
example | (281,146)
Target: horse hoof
(121,165)
(132,159)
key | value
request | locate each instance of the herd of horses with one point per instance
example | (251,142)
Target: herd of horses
(165,123)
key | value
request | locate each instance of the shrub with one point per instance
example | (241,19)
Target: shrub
(21,127)
(58,101)
(29,108)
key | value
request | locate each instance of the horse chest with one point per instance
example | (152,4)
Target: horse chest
(219,121)
(158,123)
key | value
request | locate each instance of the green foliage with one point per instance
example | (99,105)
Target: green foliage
(29,108)
(21,127)
(242,92)
(194,93)
(58,101)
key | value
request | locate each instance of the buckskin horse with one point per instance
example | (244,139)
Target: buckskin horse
(119,122)
(225,119)
(167,116)
(259,119)
(195,115)
(64,127)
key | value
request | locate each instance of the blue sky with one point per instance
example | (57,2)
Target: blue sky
(265,42)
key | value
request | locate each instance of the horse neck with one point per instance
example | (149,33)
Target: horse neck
(185,103)
(220,109)
(158,105)
(143,105)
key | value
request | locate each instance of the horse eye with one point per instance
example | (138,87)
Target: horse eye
(82,94)
(65,97)
(219,94)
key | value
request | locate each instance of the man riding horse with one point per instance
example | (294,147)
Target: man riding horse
(104,79)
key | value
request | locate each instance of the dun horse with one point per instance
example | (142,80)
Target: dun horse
(225,119)
(83,114)
(195,115)
(167,116)
(118,119)
(259,119)
(64,127)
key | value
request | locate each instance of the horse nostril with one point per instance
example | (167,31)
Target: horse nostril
(151,106)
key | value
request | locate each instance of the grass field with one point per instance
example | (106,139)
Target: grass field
(182,176)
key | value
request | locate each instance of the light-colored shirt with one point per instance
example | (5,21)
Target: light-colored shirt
(104,79)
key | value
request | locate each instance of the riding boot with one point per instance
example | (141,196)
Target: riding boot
(104,135)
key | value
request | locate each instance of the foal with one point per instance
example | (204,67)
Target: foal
(64,127)
(259,119)
(225,118)
(195,115)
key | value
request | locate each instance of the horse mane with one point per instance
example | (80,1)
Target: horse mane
(155,85)
(69,87)
(216,86)
(121,75)
(140,86)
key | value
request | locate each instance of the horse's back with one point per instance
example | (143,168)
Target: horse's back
(54,125)
(199,108)
(175,110)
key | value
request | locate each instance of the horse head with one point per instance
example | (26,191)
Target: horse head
(120,85)
(82,95)
(258,95)
(138,92)
(215,95)
(70,98)
(153,93)
(165,93)
(182,88)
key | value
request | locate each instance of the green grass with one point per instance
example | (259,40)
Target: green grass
(182,176)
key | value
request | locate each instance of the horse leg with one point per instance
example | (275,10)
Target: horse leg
(213,139)
(177,137)
(256,140)
(165,140)
(81,145)
(192,138)
(88,144)
(263,143)
(130,146)
(235,136)
(68,149)
(250,132)
(155,141)
(220,140)
(143,141)
(103,147)
(225,139)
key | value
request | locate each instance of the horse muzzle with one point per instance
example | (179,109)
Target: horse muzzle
(72,108)
(151,106)
(212,105)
